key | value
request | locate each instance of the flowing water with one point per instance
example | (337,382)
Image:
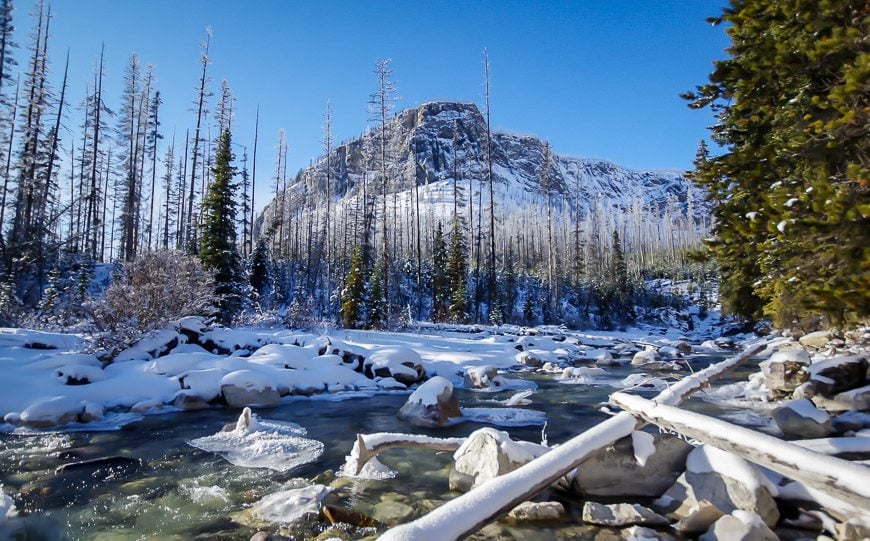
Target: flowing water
(170,490)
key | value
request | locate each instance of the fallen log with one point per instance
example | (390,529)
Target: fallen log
(833,476)
(367,446)
(468,513)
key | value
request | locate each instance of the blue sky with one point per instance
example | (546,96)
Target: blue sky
(598,79)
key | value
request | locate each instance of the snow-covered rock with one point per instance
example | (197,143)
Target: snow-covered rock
(725,481)
(537,511)
(431,405)
(785,371)
(856,399)
(602,357)
(801,419)
(481,377)
(7,507)
(79,374)
(816,340)
(645,357)
(57,410)
(621,514)
(642,533)
(28,338)
(150,347)
(248,388)
(189,401)
(615,471)
(488,453)
(838,374)
(739,526)
(398,362)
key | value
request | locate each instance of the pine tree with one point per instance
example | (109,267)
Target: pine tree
(260,273)
(790,191)
(218,250)
(376,304)
(618,268)
(352,294)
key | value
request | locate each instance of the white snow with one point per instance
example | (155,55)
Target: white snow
(643,444)
(248,380)
(709,459)
(80,372)
(428,393)
(291,505)
(269,444)
(805,408)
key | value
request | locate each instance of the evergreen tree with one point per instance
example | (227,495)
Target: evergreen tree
(440,277)
(790,192)
(260,274)
(459,304)
(376,306)
(618,268)
(352,294)
(218,250)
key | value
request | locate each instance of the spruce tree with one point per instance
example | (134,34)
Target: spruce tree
(440,277)
(459,304)
(790,190)
(351,295)
(260,274)
(377,305)
(218,250)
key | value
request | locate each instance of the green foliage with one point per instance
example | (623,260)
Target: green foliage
(790,192)
(459,304)
(218,250)
(352,294)
(441,278)
(260,276)
(376,306)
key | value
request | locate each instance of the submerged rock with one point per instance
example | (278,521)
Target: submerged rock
(431,405)
(537,511)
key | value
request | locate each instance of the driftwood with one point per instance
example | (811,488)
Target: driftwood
(473,510)
(833,476)
(368,446)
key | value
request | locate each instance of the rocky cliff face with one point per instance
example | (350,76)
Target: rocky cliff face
(422,143)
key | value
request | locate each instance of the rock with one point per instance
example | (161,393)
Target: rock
(856,399)
(189,402)
(853,529)
(614,471)
(392,511)
(91,412)
(621,514)
(264,536)
(725,342)
(683,347)
(785,371)
(641,533)
(816,340)
(488,453)
(724,480)
(537,511)
(341,515)
(739,526)
(603,358)
(399,362)
(838,374)
(801,419)
(532,359)
(248,388)
(644,357)
(431,405)
(699,518)
(480,377)
(55,411)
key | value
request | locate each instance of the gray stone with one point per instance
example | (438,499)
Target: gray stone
(642,533)
(537,511)
(645,357)
(786,371)
(487,454)
(853,529)
(189,402)
(815,340)
(480,377)
(614,471)
(699,518)
(239,397)
(856,399)
(838,374)
(436,415)
(791,420)
(732,528)
(264,536)
(621,514)
(725,493)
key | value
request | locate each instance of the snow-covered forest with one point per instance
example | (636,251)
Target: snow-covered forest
(436,329)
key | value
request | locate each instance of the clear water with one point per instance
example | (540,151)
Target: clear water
(179,492)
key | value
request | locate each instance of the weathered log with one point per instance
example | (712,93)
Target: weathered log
(833,476)
(474,509)
(368,446)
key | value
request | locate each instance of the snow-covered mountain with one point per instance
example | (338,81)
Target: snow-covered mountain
(421,145)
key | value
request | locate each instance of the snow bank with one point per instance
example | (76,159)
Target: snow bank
(27,338)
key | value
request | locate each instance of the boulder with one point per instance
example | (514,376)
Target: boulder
(398,362)
(621,514)
(248,388)
(853,529)
(55,411)
(699,518)
(603,358)
(537,511)
(614,470)
(725,342)
(739,526)
(533,358)
(801,419)
(188,401)
(645,357)
(480,377)
(785,371)
(724,480)
(683,347)
(488,453)
(642,533)
(432,405)
(838,374)
(856,399)
(816,340)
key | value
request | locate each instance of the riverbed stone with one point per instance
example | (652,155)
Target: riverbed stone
(537,511)
(699,518)
(487,454)
(614,471)
(391,511)
(785,371)
(421,410)
(816,340)
(801,419)
(480,377)
(189,402)
(745,528)
(621,514)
